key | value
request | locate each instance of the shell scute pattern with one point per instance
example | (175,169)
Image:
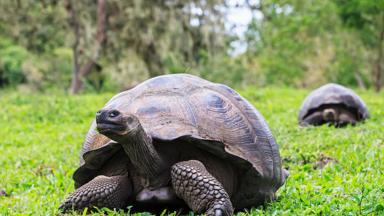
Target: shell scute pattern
(176,106)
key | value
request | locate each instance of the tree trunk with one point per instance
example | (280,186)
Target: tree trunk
(74,23)
(79,73)
(359,81)
(379,61)
(153,60)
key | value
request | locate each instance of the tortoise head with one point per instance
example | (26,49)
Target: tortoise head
(330,115)
(115,124)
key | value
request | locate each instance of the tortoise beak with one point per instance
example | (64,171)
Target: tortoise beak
(109,121)
(329,115)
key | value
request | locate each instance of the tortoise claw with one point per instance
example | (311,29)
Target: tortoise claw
(102,191)
(219,212)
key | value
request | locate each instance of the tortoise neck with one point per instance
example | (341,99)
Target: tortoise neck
(143,154)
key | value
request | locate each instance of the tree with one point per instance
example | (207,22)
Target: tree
(156,30)
(32,35)
(367,18)
(81,71)
(166,36)
(290,43)
(306,43)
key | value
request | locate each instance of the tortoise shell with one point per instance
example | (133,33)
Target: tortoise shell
(212,116)
(330,94)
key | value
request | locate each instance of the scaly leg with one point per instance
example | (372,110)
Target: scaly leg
(102,191)
(315,118)
(202,192)
(345,118)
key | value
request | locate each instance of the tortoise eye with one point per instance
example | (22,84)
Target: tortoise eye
(113,113)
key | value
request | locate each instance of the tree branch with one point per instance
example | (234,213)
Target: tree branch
(80,72)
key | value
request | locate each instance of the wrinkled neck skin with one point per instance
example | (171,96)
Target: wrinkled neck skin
(330,115)
(143,155)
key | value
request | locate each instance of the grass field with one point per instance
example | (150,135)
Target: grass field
(41,137)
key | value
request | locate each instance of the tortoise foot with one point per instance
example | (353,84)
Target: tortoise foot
(199,189)
(102,191)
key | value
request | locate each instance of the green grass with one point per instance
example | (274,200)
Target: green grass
(41,137)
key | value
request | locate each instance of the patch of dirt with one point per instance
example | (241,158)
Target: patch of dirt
(323,160)
(287,160)
(43,170)
(306,158)
(3,193)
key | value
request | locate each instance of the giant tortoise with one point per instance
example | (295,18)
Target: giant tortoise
(178,138)
(332,104)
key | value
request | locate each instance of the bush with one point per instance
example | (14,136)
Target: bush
(11,59)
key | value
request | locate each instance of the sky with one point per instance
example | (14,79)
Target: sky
(238,16)
(237,20)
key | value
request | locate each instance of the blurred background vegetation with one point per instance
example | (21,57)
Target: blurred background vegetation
(100,45)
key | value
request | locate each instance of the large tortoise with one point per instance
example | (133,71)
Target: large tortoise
(178,138)
(333,104)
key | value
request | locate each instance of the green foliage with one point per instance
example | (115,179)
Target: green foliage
(58,73)
(11,58)
(351,67)
(366,17)
(222,69)
(304,43)
(40,150)
(38,26)
(296,43)
(36,72)
(290,35)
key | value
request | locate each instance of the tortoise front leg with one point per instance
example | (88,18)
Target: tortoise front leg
(202,192)
(315,118)
(345,118)
(102,191)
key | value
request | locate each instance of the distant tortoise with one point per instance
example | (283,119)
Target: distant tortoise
(333,104)
(178,138)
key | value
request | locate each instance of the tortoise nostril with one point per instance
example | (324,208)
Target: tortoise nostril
(98,112)
(113,113)
(129,120)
